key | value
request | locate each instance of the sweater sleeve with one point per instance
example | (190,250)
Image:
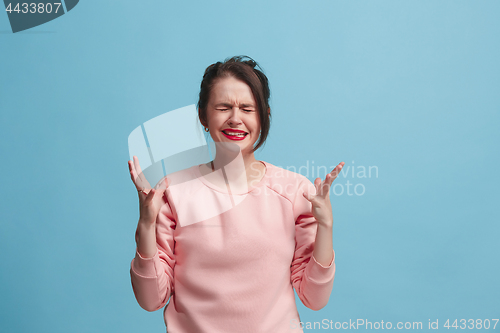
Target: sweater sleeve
(312,281)
(153,278)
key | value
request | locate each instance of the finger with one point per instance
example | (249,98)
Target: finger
(139,184)
(335,172)
(138,172)
(137,165)
(133,175)
(143,191)
(325,185)
(317,185)
(308,196)
(131,169)
(162,184)
(317,182)
(330,178)
(150,196)
(165,185)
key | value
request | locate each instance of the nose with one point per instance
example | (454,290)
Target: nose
(234,118)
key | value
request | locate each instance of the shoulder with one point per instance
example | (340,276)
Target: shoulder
(287,182)
(182,184)
(184,180)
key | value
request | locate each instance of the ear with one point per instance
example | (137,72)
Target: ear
(268,112)
(201,121)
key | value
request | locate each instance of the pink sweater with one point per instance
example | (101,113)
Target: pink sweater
(233,271)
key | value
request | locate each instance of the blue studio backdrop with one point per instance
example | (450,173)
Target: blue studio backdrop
(406,93)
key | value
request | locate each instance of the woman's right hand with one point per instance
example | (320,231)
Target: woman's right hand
(150,200)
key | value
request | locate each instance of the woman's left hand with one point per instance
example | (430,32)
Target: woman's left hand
(321,205)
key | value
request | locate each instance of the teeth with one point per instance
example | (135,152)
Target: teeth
(235,134)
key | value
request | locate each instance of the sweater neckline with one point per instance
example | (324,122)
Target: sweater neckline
(225,190)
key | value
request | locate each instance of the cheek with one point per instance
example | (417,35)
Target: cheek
(213,120)
(257,126)
(256,123)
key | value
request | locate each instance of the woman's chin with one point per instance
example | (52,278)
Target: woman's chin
(229,146)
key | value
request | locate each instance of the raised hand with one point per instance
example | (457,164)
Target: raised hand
(321,205)
(150,199)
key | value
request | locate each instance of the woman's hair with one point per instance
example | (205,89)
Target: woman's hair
(247,71)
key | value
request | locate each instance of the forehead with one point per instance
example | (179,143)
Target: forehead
(231,90)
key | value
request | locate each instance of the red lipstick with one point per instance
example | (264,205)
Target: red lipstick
(235,137)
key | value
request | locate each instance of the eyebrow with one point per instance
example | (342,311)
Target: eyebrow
(229,105)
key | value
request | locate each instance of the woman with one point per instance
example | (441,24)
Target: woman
(268,229)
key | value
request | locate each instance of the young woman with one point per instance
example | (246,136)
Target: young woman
(228,247)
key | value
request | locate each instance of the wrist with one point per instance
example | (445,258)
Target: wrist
(146,223)
(325,223)
(145,231)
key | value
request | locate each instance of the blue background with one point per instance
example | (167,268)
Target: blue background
(411,87)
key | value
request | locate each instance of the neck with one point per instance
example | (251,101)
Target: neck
(240,164)
(249,161)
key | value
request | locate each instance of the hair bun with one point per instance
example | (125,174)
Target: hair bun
(251,63)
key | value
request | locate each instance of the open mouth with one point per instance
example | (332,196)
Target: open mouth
(235,135)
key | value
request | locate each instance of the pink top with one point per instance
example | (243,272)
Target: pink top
(233,271)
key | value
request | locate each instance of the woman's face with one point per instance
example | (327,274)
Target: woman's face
(232,109)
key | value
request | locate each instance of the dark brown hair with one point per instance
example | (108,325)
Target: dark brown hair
(247,71)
